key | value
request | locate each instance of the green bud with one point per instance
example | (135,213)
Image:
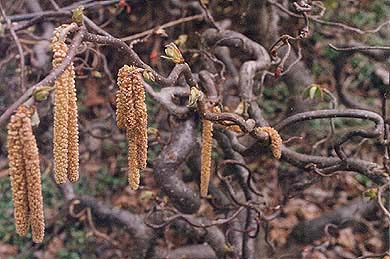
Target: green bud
(312,92)
(371,193)
(195,96)
(77,15)
(173,53)
(41,93)
(148,76)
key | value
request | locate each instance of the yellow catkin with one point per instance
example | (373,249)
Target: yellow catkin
(33,177)
(120,104)
(25,174)
(73,130)
(276,140)
(207,144)
(125,116)
(141,117)
(61,102)
(234,128)
(131,114)
(134,172)
(17,170)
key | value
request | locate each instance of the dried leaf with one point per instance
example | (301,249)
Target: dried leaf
(92,97)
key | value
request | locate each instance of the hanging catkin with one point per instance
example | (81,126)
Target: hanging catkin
(25,174)
(17,170)
(131,114)
(207,144)
(65,140)
(125,117)
(234,128)
(133,171)
(73,130)
(33,177)
(60,130)
(141,129)
(276,140)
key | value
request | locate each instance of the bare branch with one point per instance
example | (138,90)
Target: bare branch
(356,48)
(19,46)
(49,79)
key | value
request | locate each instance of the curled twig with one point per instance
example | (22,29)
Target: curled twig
(355,48)
(189,219)
(222,165)
(380,192)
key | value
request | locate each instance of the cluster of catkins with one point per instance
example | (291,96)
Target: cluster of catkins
(66,133)
(25,174)
(131,115)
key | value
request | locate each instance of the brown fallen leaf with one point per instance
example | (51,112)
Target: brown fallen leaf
(7,250)
(92,97)
(55,245)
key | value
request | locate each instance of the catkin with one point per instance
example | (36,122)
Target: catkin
(65,139)
(276,140)
(121,103)
(73,130)
(131,114)
(207,144)
(25,174)
(141,128)
(61,102)
(134,172)
(33,177)
(234,128)
(17,171)
(125,116)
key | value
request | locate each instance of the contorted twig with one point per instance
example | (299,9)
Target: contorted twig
(355,48)
(380,193)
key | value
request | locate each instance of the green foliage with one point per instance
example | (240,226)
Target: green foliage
(363,19)
(101,183)
(6,216)
(331,53)
(78,245)
(51,195)
(7,227)
(363,180)
(153,152)
(105,182)
(317,69)
(152,108)
(331,4)
(274,99)
(312,92)
(341,123)
(68,255)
